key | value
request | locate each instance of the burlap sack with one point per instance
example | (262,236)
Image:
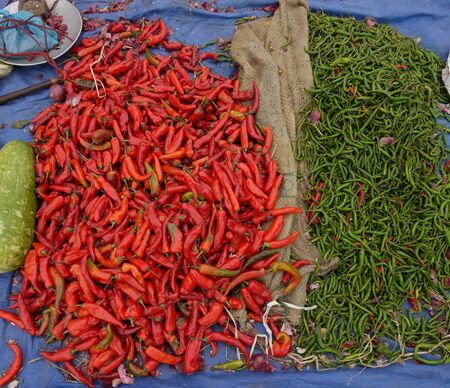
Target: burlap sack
(271,51)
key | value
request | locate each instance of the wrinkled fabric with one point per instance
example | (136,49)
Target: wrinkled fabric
(429,19)
(17,40)
(283,74)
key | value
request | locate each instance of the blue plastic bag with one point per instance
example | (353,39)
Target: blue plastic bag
(15,40)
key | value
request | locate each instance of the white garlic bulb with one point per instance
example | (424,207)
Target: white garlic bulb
(5,69)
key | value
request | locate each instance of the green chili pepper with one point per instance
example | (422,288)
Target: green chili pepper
(231,365)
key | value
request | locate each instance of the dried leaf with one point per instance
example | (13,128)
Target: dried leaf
(114,6)
(19,124)
(93,24)
(351,344)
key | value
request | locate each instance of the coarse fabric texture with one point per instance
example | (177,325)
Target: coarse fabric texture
(271,52)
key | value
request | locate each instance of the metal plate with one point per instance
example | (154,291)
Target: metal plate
(71,17)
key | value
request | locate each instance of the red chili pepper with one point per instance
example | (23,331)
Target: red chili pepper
(274,229)
(176,237)
(31,269)
(12,318)
(201,280)
(109,191)
(76,373)
(15,366)
(297,264)
(235,303)
(361,194)
(243,277)
(58,280)
(276,244)
(209,270)
(212,316)
(284,210)
(162,357)
(61,355)
(97,274)
(58,329)
(267,140)
(289,268)
(113,51)
(126,278)
(258,288)
(229,340)
(78,326)
(281,345)
(414,304)
(25,316)
(100,313)
(273,194)
(130,291)
(249,301)
(191,358)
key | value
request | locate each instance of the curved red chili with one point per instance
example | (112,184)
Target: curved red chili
(15,366)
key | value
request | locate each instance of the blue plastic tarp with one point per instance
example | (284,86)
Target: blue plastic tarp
(427,19)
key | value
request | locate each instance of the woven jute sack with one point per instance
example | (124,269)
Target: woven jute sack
(271,52)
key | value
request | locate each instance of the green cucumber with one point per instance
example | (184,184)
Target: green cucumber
(17,203)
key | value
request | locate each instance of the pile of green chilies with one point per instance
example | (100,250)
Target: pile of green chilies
(384,208)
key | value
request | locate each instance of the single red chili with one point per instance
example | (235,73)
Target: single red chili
(289,268)
(191,357)
(58,280)
(297,264)
(274,229)
(276,244)
(100,313)
(61,355)
(274,192)
(229,340)
(15,366)
(282,345)
(213,314)
(76,373)
(249,301)
(162,357)
(12,318)
(243,277)
(25,316)
(235,303)
(58,329)
(284,210)
(258,288)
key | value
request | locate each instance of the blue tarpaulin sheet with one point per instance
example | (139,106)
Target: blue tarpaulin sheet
(427,19)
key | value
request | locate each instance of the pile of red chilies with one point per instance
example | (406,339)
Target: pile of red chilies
(153,195)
